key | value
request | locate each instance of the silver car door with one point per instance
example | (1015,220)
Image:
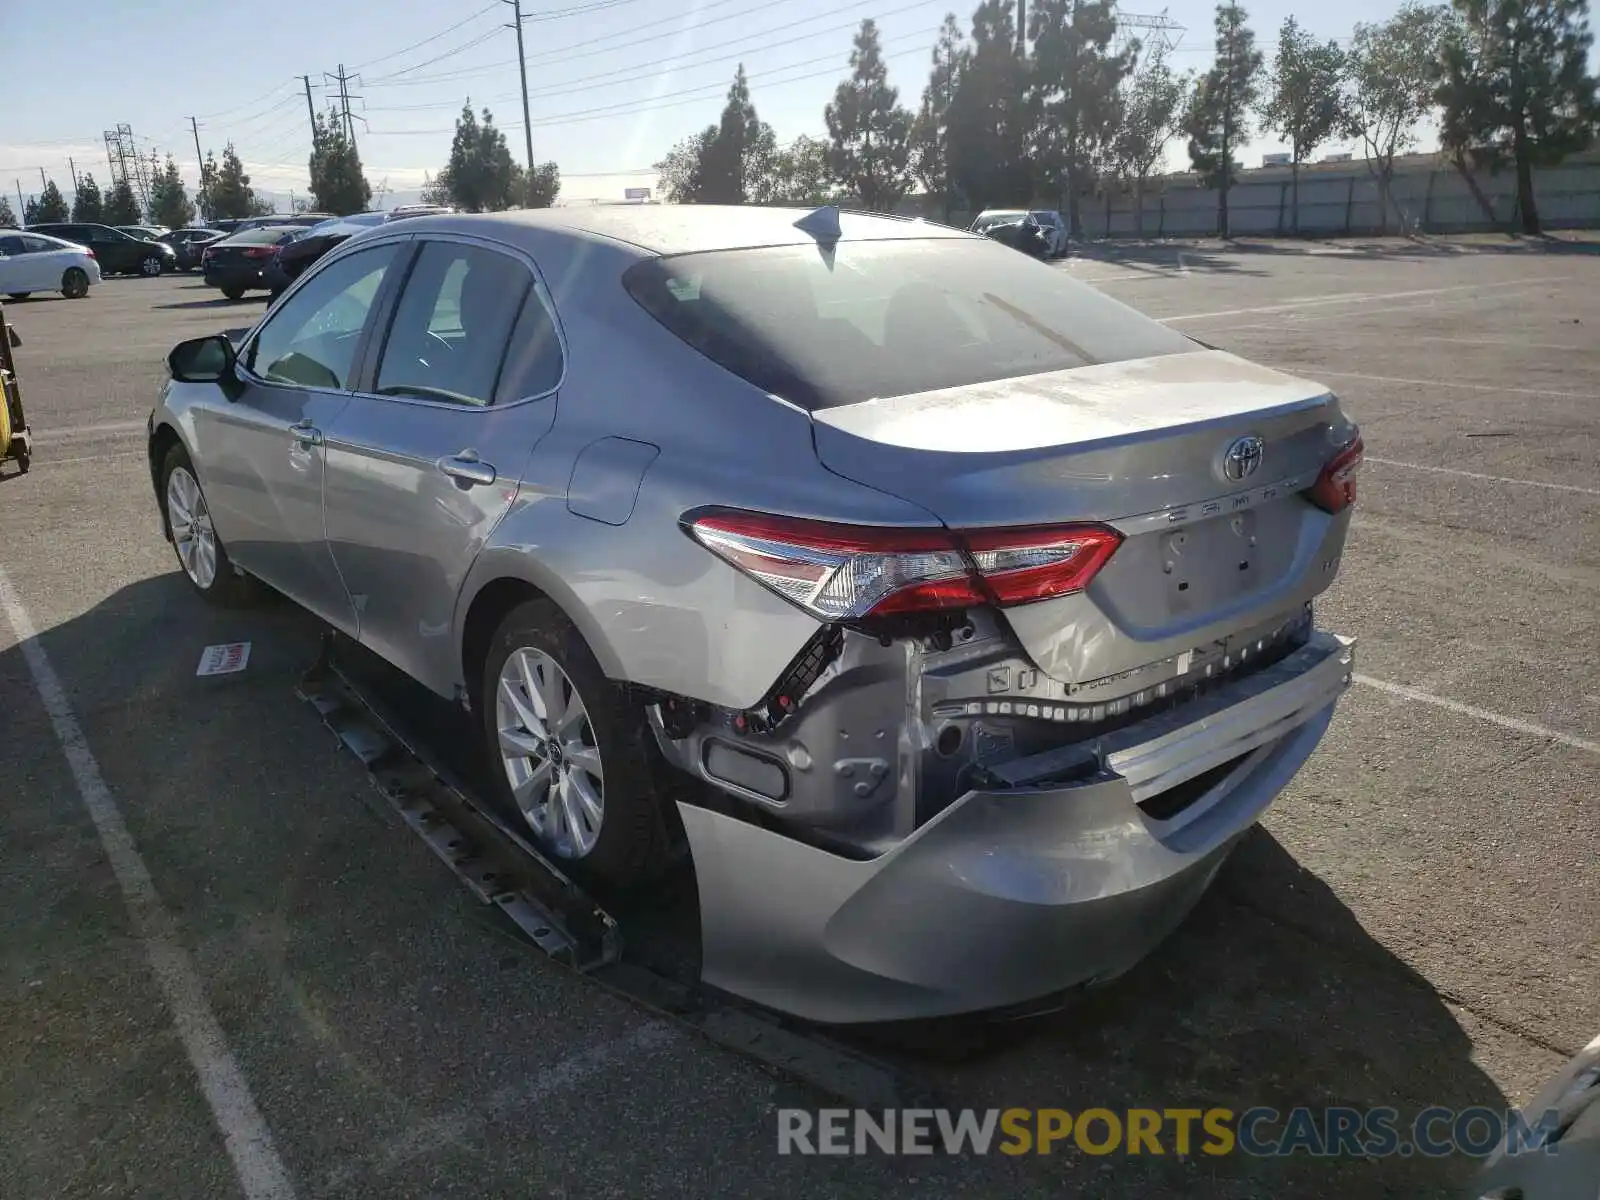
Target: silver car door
(262,451)
(427,457)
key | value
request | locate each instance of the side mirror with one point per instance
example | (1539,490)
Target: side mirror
(202,360)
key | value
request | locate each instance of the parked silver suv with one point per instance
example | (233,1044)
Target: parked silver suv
(977,604)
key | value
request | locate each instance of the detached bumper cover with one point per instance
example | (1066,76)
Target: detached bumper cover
(1014,894)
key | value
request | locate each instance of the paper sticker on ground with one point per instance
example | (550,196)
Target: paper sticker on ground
(225,659)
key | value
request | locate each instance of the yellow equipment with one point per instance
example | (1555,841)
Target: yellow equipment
(16,443)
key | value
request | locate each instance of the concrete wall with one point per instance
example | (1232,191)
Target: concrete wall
(1337,200)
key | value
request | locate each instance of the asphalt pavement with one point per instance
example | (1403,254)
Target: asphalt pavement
(1416,923)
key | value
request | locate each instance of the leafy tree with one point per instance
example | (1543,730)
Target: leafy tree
(1305,99)
(436,188)
(989,123)
(122,206)
(1218,117)
(797,174)
(1393,66)
(230,195)
(543,186)
(681,171)
(1076,80)
(481,175)
(868,130)
(1152,109)
(169,201)
(30,211)
(87,204)
(930,128)
(51,205)
(338,185)
(1515,85)
(8,216)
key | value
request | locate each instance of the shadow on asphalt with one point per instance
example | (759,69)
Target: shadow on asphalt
(1271,994)
(1223,256)
(219,302)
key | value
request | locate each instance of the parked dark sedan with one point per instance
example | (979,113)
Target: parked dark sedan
(244,262)
(294,257)
(188,244)
(115,251)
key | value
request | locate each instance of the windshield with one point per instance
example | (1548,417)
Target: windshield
(888,318)
(990,219)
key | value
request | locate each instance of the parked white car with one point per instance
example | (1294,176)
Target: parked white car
(37,262)
(1049,218)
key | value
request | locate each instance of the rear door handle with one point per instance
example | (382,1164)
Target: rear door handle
(468,468)
(306,433)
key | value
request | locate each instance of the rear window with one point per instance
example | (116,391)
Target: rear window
(258,237)
(888,318)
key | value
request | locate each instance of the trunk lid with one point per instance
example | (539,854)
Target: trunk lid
(1212,550)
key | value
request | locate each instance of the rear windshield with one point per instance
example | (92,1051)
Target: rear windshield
(888,318)
(270,235)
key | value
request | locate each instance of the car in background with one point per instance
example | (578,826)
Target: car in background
(960,616)
(402,211)
(145,233)
(35,262)
(187,244)
(238,224)
(1049,219)
(117,253)
(296,255)
(245,261)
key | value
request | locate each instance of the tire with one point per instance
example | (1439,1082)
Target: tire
(75,283)
(219,584)
(19,295)
(233,293)
(151,266)
(629,846)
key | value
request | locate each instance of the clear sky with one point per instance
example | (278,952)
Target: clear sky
(612,83)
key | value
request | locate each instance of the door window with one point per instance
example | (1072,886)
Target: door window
(12,246)
(311,341)
(533,359)
(452,325)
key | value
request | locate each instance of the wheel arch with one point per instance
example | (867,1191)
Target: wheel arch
(163,437)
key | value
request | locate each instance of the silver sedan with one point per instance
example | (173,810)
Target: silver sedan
(959,616)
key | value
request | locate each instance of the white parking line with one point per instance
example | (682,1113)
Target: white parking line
(1465,387)
(261,1172)
(1554,487)
(83,458)
(1482,714)
(71,431)
(1363,297)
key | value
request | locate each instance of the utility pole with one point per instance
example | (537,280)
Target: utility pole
(205,204)
(43,182)
(345,97)
(1022,28)
(522,66)
(22,205)
(311,111)
(73,167)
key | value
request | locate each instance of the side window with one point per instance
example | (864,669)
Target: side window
(10,246)
(451,325)
(533,358)
(311,341)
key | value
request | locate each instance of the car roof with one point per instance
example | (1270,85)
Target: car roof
(662,229)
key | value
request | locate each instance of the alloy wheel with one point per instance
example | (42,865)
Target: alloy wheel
(150,267)
(548,752)
(192,534)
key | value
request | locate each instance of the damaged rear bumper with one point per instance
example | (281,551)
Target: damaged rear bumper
(1017,892)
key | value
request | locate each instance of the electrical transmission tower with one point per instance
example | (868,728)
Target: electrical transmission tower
(127,163)
(1157,34)
(345,96)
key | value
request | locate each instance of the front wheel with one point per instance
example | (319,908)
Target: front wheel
(233,293)
(150,267)
(572,751)
(75,283)
(201,554)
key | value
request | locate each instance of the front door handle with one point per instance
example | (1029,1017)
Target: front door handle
(466,467)
(306,433)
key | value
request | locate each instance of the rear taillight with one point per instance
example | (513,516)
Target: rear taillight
(1335,488)
(847,572)
(260,251)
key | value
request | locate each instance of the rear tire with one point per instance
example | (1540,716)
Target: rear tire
(594,736)
(19,295)
(75,283)
(201,555)
(150,267)
(233,293)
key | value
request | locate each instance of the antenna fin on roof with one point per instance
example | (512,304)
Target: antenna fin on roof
(822,224)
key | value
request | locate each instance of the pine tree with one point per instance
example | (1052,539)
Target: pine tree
(1515,85)
(30,211)
(481,176)
(338,185)
(169,201)
(930,128)
(1305,99)
(230,195)
(87,204)
(122,206)
(51,206)
(1218,118)
(739,145)
(989,124)
(8,217)
(869,131)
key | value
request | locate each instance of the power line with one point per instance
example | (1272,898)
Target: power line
(434,38)
(247,104)
(585,83)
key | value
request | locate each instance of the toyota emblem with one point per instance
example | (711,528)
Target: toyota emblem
(1241,459)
